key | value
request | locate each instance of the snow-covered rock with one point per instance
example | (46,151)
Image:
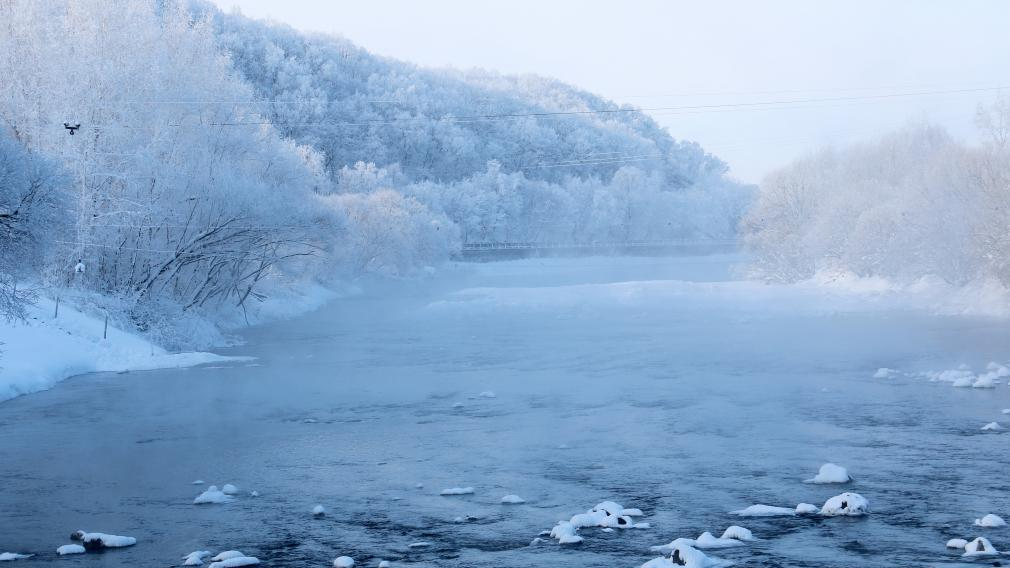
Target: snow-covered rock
(964,381)
(318,511)
(70,549)
(457,491)
(212,495)
(764,511)
(846,504)
(420,544)
(980,547)
(8,556)
(986,381)
(227,555)
(565,532)
(708,540)
(343,562)
(384,564)
(806,509)
(236,562)
(1005,411)
(738,533)
(990,521)
(488,394)
(512,500)
(999,370)
(254,493)
(956,543)
(830,473)
(992,427)
(195,558)
(229,489)
(682,553)
(100,541)
(884,373)
(198,482)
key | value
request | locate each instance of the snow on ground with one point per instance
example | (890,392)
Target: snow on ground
(830,473)
(42,351)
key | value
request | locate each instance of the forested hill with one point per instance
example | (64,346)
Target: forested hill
(444,125)
(191,161)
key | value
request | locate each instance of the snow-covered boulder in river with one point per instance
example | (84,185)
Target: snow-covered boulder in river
(990,521)
(195,558)
(764,511)
(101,541)
(8,556)
(682,553)
(980,547)
(212,495)
(512,500)
(830,473)
(343,562)
(956,543)
(846,504)
(70,549)
(318,511)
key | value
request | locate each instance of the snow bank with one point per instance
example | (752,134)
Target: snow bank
(991,521)
(8,556)
(846,504)
(212,495)
(830,473)
(457,491)
(43,351)
(764,511)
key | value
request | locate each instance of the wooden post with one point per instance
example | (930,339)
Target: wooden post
(57,313)
(105,332)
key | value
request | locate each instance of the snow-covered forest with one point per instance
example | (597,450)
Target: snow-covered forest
(220,160)
(915,205)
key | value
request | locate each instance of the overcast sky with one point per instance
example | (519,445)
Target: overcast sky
(655,53)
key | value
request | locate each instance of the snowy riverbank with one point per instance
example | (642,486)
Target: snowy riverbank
(45,350)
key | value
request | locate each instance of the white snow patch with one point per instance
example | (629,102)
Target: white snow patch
(956,543)
(195,558)
(565,532)
(228,555)
(806,509)
(8,556)
(738,533)
(70,549)
(992,427)
(830,473)
(236,562)
(991,521)
(512,500)
(884,373)
(684,554)
(457,491)
(229,489)
(488,394)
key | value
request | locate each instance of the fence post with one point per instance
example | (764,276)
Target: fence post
(105,332)
(57,313)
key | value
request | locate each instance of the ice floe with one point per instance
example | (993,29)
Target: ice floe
(457,491)
(830,473)
(512,500)
(991,521)
(8,556)
(70,549)
(846,504)
(212,495)
(980,547)
(343,562)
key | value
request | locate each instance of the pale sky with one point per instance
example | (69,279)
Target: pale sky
(654,53)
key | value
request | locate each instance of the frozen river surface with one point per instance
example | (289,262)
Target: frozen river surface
(659,383)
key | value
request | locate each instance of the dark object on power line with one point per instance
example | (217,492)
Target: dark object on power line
(73,128)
